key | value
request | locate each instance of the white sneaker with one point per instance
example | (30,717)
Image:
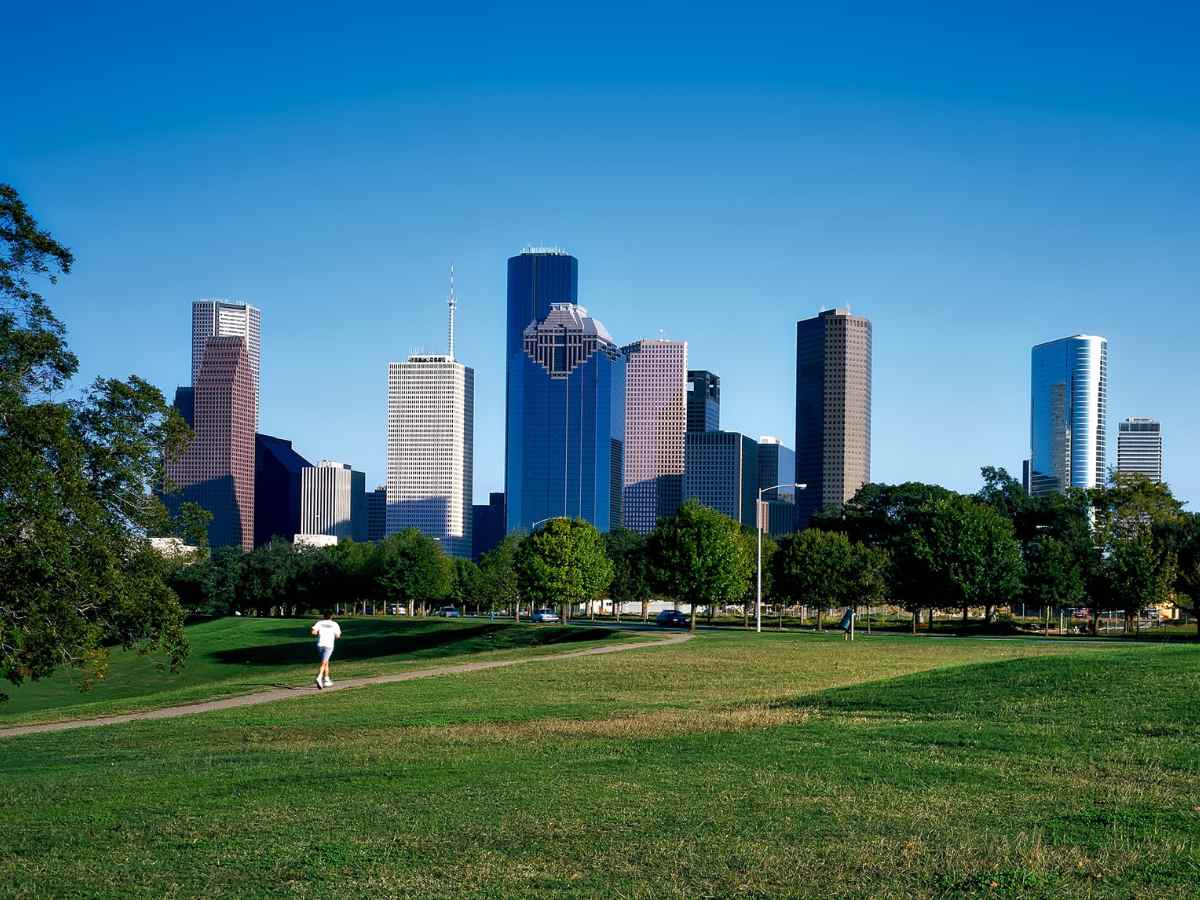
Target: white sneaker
(328,681)
(319,684)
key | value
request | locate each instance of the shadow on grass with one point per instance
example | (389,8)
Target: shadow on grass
(414,642)
(1113,691)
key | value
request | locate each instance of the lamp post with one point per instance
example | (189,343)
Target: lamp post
(758,528)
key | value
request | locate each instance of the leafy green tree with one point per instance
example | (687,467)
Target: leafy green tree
(869,581)
(1054,574)
(76,499)
(817,568)
(698,557)
(499,585)
(265,579)
(1186,547)
(1003,493)
(626,549)
(563,563)
(974,558)
(466,587)
(1134,517)
(413,569)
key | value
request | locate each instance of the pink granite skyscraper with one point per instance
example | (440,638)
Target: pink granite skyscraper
(217,469)
(655,423)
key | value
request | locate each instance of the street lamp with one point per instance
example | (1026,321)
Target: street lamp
(758,527)
(534,526)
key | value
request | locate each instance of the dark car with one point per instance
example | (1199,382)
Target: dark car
(672,618)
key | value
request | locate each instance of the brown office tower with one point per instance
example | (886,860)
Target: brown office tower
(833,409)
(217,469)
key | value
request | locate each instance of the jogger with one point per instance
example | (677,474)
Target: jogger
(327,631)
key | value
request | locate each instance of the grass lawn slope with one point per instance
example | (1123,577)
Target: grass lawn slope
(732,765)
(240,655)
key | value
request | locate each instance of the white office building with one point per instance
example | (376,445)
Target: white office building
(222,318)
(1068,414)
(333,501)
(431,447)
(1139,447)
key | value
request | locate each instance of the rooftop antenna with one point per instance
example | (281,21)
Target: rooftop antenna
(451,303)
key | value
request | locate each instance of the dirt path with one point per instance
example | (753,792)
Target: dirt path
(276,694)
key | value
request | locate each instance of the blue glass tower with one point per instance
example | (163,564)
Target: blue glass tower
(565,412)
(1068,414)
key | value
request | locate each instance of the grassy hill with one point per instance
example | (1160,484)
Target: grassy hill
(730,765)
(240,655)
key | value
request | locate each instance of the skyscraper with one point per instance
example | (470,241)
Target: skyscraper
(277,470)
(487,528)
(333,501)
(833,409)
(703,401)
(216,470)
(377,514)
(1068,414)
(655,423)
(1139,447)
(431,447)
(777,465)
(565,410)
(220,318)
(722,473)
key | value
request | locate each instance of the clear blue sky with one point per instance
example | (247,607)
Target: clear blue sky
(973,181)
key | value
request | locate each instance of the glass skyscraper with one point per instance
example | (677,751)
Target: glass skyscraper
(565,409)
(1068,414)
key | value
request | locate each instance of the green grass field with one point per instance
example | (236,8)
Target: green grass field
(243,655)
(732,765)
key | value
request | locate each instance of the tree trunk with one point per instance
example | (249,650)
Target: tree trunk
(617,610)
(989,614)
(1095,621)
(692,627)
(645,610)
(746,615)
(517,611)
(916,614)
(931,618)
(820,613)
(781,617)
(964,621)
(710,612)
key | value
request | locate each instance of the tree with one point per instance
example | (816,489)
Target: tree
(563,563)
(818,568)
(76,500)
(466,583)
(413,569)
(1186,546)
(696,556)
(869,582)
(626,549)
(1134,518)
(1054,575)
(498,576)
(974,558)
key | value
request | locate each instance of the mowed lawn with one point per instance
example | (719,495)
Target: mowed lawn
(732,765)
(241,655)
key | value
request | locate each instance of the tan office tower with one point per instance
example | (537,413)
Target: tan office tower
(833,409)
(655,423)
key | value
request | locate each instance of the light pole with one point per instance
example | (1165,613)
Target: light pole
(758,528)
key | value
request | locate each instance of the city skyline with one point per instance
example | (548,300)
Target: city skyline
(775,172)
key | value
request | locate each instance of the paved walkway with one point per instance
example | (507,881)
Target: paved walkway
(289,693)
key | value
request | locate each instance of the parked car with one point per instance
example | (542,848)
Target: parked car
(397,610)
(544,615)
(449,612)
(672,618)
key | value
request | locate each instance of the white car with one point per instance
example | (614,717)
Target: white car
(397,610)
(544,615)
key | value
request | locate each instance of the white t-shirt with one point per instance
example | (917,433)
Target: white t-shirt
(327,632)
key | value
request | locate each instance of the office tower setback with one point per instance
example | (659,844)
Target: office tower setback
(565,422)
(1139,448)
(431,448)
(1068,414)
(777,466)
(722,473)
(487,524)
(216,470)
(833,409)
(220,318)
(377,514)
(655,424)
(277,470)
(333,501)
(703,401)
(185,402)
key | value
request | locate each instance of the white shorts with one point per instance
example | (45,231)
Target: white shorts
(324,653)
